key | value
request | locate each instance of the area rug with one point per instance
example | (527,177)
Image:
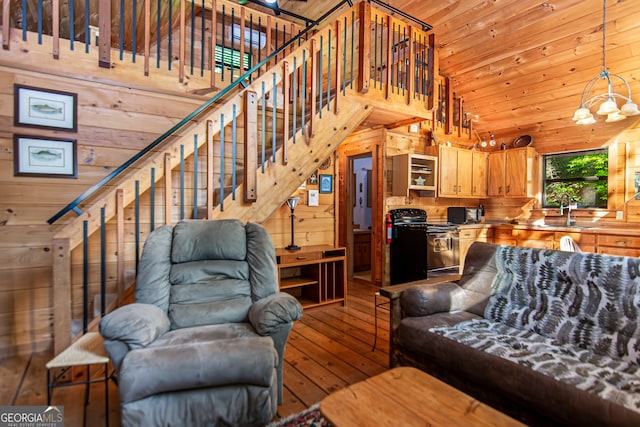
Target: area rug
(310,417)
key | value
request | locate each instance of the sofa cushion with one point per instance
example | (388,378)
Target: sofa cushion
(609,378)
(513,388)
(591,301)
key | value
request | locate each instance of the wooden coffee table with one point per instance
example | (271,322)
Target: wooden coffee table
(408,397)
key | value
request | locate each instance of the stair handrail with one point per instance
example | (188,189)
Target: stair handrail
(73,206)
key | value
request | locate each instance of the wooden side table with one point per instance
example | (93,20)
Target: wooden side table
(88,350)
(408,397)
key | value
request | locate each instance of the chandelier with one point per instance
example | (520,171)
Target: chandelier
(608,99)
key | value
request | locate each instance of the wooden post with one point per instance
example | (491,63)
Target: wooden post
(214,39)
(364,43)
(209,185)
(250,146)
(337,97)
(268,44)
(61,292)
(120,242)
(167,188)
(460,118)
(242,24)
(183,31)
(285,112)
(387,92)
(147,35)
(433,69)
(448,93)
(55,26)
(5,23)
(104,25)
(313,55)
(412,68)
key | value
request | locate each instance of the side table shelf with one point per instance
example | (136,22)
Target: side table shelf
(315,275)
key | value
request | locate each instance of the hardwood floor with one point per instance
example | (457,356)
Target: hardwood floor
(328,349)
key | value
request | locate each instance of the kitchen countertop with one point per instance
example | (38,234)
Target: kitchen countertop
(626,230)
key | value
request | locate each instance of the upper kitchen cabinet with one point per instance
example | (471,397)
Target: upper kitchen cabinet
(414,172)
(462,172)
(513,173)
(479,175)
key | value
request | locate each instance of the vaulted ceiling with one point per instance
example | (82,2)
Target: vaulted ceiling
(521,65)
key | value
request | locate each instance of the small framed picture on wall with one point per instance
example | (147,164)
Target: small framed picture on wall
(313,178)
(40,156)
(45,108)
(326,183)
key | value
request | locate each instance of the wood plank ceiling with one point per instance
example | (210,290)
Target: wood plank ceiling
(521,65)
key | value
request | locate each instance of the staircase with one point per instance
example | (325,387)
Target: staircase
(254,143)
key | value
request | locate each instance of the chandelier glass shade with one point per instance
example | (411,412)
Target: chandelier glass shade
(608,101)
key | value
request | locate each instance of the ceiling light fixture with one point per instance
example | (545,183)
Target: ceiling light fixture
(608,107)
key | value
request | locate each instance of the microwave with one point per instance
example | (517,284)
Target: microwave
(462,215)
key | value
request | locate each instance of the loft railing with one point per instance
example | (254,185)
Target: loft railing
(214,40)
(237,142)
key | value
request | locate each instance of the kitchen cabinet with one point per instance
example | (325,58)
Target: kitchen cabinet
(461,172)
(414,172)
(466,238)
(541,239)
(504,235)
(479,177)
(513,173)
(361,250)
(617,244)
(455,179)
(315,275)
(586,241)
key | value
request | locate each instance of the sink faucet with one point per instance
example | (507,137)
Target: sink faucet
(565,198)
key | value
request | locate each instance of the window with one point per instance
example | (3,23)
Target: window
(582,175)
(230,58)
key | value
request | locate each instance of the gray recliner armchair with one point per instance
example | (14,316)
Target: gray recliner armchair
(203,344)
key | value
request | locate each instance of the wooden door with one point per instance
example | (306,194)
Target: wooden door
(495,186)
(448,171)
(465,176)
(479,180)
(516,173)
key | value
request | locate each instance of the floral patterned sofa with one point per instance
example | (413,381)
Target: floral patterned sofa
(549,337)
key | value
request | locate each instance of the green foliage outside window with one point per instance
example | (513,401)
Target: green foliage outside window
(583,176)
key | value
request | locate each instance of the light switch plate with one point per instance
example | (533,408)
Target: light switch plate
(619,214)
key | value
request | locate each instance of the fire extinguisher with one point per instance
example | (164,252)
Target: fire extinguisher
(389,224)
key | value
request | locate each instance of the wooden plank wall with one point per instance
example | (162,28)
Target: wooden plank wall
(314,225)
(113,123)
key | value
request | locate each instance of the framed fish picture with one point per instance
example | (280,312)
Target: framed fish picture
(45,108)
(44,157)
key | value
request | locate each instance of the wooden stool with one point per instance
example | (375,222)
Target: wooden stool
(88,350)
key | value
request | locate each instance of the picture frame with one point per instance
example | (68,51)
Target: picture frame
(45,108)
(39,156)
(326,183)
(313,178)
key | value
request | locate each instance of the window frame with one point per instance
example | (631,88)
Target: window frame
(545,157)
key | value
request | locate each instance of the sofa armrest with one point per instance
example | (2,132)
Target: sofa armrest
(137,325)
(423,300)
(269,314)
